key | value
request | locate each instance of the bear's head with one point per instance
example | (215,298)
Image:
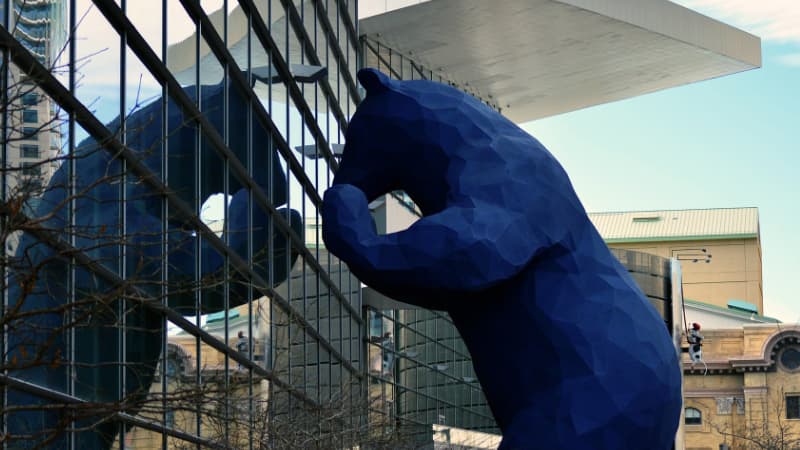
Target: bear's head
(402,137)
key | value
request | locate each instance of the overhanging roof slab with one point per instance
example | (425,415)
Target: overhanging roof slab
(538,58)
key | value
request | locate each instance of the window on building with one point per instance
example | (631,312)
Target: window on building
(30,99)
(725,405)
(793,406)
(375,324)
(30,116)
(28,151)
(29,132)
(693,416)
(172,367)
(31,169)
(790,358)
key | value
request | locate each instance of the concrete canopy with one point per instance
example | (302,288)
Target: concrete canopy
(538,58)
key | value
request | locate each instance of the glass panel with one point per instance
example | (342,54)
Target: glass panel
(98,206)
(265,12)
(147,19)
(98,64)
(141,91)
(239,138)
(226,13)
(267,169)
(280,32)
(144,111)
(144,329)
(181,249)
(181,55)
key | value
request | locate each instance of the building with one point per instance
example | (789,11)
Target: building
(33,120)
(748,390)
(720,250)
(178,115)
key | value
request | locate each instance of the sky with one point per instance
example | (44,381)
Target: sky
(729,142)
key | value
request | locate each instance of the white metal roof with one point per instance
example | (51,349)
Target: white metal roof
(538,58)
(677,224)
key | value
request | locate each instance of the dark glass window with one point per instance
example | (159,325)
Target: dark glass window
(30,116)
(375,324)
(790,358)
(31,169)
(793,406)
(30,99)
(28,151)
(693,416)
(172,367)
(29,132)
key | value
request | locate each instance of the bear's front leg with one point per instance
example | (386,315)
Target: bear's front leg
(455,251)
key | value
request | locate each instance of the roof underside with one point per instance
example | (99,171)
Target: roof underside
(538,58)
(677,225)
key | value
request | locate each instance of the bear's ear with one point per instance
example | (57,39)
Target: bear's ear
(373,81)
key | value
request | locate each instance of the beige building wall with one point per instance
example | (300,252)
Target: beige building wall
(742,395)
(732,273)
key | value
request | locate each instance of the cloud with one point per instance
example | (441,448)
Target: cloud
(772,20)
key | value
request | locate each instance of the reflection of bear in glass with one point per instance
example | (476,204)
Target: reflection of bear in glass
(97,219)
(505,247)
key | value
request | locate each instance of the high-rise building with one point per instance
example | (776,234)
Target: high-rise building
(32,119)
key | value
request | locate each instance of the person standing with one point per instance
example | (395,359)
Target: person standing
(242,346)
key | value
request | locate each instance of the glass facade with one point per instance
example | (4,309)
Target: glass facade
(421,371)
(161,286)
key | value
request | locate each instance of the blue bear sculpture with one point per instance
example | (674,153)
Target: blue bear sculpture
(566,347)
(98,313)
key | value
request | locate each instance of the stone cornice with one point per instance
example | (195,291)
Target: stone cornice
(707,393)
(755,390)
(747,363)
(730,366)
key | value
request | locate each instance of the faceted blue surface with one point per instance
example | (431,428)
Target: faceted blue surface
(566,347)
